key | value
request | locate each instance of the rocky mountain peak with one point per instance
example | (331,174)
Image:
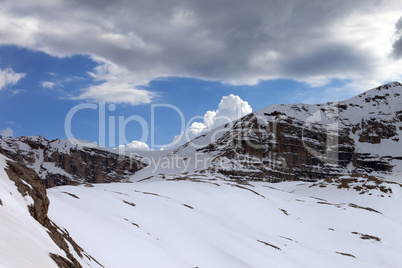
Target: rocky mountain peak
(308,142)
(61,162)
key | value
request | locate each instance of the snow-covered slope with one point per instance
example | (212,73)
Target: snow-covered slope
(24,239)
(24,242)
(208,222)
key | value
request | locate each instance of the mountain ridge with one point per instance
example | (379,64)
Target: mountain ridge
(64,162)
(279,142)
(335,201)
(303,142)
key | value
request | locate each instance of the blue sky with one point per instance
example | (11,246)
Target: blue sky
(30,108)
(188,54)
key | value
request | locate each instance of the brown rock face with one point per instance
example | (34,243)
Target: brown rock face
(374,131)
(59,162)
(29,183)
(293,153)
(20,174)
(311,142)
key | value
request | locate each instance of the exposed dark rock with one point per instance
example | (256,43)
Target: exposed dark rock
(367,237)
(29,183)
(285,145)
(284,156)
(58,162)
(62,262)
(346,254)
(373,131)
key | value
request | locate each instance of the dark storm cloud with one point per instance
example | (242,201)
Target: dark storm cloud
(231,41)
(397,46)
(326,60)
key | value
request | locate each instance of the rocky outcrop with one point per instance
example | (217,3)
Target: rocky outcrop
(293,153)
(61,162)
(30,184)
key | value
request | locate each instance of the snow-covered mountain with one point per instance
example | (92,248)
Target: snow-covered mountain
(298,142)
(337,200)
(63,162)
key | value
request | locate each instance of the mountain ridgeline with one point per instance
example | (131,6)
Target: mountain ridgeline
(215,185)
(280,142)
(64,162)
(308,142)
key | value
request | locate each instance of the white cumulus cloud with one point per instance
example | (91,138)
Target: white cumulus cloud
(8,77)
(115,86)
(134,146)
(230,108)
(48,84)
(7,132)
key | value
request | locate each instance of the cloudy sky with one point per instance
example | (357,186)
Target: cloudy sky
(57,54)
